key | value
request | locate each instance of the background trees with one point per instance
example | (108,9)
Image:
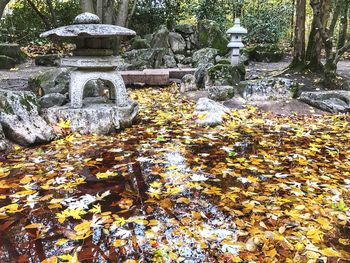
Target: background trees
(319,28)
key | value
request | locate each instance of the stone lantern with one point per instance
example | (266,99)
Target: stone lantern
(236,33)
(93,57)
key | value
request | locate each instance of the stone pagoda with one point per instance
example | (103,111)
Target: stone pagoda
(93,60)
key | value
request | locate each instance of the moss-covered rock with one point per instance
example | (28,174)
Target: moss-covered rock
(50,81)
(7,62)
(20,119)
(264,53)
(221,93)
(160,38)
(13,51)
(139,43)
(223,75)
(210,35)
(140,59)
(49,60)
(4,144)
(204,56)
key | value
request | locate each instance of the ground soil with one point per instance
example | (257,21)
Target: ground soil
(17,80)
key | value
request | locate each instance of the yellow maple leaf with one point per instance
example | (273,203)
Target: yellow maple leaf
(330,252)
(119,243)
(105,175)
(64,124)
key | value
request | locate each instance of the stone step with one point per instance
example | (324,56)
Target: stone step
(154,77)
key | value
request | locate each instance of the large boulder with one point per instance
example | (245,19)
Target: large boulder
(188,83)
(221,93)
(222,75)
(169,61)
(201,73)
(210,35)
(7,62)
(139,43)
(4,144)
(13,51)
(94,118)
(204,56)
(334,101)
(48,60)
(50,81)
(177,43)
(270,89)
(264,53)
(185,29)
(160,38)
(53,99)
(209,112)
(145,58)
(20,119)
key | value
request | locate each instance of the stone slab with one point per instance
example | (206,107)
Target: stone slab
(90,62)
(154,77)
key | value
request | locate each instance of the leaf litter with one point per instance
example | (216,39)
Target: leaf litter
(259,188)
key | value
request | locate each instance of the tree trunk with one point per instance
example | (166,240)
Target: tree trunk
(87,6)
(45,20)
(343,27)
(321,10)
(298,62)
(122,14)
(3,4)
(53,13)
(99,9)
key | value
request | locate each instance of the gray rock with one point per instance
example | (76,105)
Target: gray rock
(13,51)
(221,93)
(4,144)
(244,59)
(204,56)
(201,73)
(94,118)
(140,43)
(160,38)
(7,62)
(268,89)
(334,101)
(210,35)
(19,117)
(94,88)
(180,58)
(49,60)
(222,75)
(187,61)
(209,112)
(53,99)
(169,61)
(145,58)
(50,81)
(185,29)
(264,53)
(188,83)
(177,43)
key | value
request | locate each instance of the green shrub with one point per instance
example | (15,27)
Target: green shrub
(267,23)
(24,26)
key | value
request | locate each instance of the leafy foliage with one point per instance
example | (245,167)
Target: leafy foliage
(150,14)
(24,26)
(267,23)
(258,188)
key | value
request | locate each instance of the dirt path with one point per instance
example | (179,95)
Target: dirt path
(18,79)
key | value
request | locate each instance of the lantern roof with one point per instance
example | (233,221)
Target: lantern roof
(237,28)
(88,25)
